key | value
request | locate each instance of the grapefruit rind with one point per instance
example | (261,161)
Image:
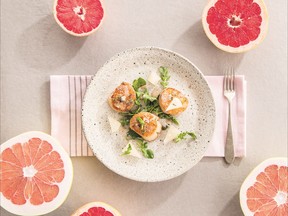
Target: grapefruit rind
(64,185)
(251,179)
(84,34)
(243,48)
(87,206)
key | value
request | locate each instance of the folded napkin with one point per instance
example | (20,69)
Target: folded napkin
(66,105)
(238,112)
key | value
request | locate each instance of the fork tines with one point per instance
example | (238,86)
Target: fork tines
(229,80)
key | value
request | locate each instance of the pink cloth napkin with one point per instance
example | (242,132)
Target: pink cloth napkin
(216,148)
(66,102)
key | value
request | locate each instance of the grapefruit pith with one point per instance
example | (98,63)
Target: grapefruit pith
(78,17)
(36,174)
(235,26)
(265,190)
(96,209)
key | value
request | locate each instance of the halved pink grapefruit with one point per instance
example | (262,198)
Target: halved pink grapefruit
(36,174)
(265,190)
(235,26)
(78,17)
(96,209)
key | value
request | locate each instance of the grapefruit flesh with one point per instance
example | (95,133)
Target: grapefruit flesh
(34,168)
(96,209)
(235,26)
(265,190)
(78,17)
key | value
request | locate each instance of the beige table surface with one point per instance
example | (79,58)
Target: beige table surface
(33,47)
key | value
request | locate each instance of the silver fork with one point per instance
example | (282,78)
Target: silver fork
(229,93)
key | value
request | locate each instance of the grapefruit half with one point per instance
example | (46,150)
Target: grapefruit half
(78,17)
(36,174)
(96,209)
(235,26)
(265,190)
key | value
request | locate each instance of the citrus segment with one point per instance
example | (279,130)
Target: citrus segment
(78,17)
(283,178)
(36,174)
(264,191)
(235,26)
(96,209)
(31,174)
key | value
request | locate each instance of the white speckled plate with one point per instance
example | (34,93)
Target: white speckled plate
(170,160)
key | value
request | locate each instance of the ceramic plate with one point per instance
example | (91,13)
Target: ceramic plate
(170,160)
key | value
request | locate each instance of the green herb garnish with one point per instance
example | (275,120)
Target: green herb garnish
(147,103)
(138,83)
(182,136)
(143,96)
(143,145)
(133,135)
(141,122)
(147,97)
(164,75)
(169,117)
(124,121)
(128,150)
(147,153)
(126,116)
(154,107)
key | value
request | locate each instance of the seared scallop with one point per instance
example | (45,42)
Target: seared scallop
(123,98)
(172,101)
(146,124)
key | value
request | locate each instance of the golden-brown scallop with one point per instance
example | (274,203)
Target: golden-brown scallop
(172,101)
(123,98)
(146,124)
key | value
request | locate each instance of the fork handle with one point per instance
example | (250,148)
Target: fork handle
(229,147)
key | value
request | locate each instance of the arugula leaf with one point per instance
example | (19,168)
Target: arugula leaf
(183,135)
(138,83)
(143,145)
(147,153)
(124,121)
(133,135)
(154,107)
(169,117)
(143,96)
(139,94)
(135,111)
(126,116)
(193,135)
(146,103)
(147,97)
(164,75)
(128,150)
(137,102)
(180,137)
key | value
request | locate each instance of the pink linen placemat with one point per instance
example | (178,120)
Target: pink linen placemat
(67,93)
